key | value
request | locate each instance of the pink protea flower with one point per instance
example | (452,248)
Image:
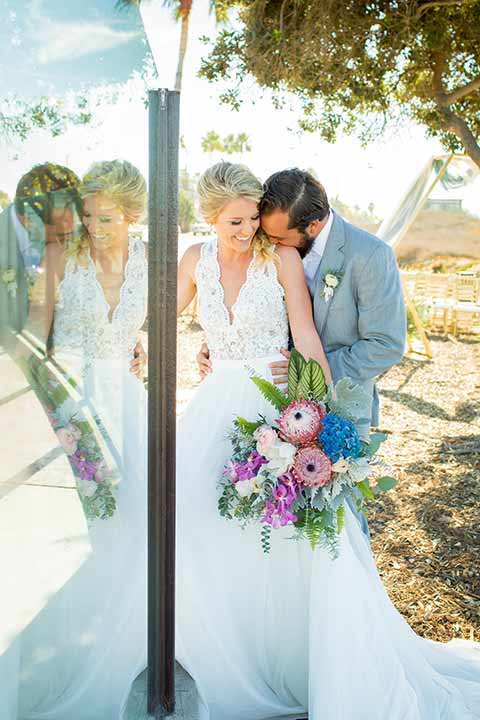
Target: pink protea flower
(301,421)
(312,467)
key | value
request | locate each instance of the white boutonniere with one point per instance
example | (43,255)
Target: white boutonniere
(331,281)
(9,278)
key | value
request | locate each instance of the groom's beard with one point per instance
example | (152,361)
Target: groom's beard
(307,244)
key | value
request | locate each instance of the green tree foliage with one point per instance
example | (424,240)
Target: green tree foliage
(230,144)
(186,211)
(19,118)
(358,64)
(4,200)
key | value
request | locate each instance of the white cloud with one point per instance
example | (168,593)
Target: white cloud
(71,40)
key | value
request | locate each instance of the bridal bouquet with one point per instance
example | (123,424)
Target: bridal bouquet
(300,470)
(78,436)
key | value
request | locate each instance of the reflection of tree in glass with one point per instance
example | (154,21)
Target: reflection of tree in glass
(4,200)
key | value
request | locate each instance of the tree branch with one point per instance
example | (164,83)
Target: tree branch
(459,127)
(461,92)
(452,122)
(437,84)
(441,3)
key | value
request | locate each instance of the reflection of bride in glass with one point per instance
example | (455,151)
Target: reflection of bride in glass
(82,653)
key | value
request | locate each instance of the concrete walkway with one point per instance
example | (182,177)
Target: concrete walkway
(186,700)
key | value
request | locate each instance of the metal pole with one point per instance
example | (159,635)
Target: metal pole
(162,329)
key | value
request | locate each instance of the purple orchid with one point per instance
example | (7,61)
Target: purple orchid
(250,467)
(86,469)
(288,480)
(277,515)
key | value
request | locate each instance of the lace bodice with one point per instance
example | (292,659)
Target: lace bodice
(82,313)
(259,324)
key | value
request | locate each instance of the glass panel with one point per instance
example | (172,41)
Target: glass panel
(73,415)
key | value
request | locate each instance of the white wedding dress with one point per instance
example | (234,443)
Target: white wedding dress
(293,631)
(80,655)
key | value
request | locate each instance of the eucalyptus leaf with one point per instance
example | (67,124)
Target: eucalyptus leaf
(384,484)
(375,440)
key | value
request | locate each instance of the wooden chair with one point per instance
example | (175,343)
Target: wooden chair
(440,293)
(466,309)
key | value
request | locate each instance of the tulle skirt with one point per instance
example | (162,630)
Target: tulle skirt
(293,631)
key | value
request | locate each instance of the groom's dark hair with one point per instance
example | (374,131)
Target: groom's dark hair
(298,193)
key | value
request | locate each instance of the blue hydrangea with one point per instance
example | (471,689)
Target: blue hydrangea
(339,438)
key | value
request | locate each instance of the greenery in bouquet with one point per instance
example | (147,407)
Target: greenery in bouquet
(301,469)
(76,434)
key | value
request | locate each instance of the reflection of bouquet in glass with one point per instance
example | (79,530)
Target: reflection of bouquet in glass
(76,434)
(9,279)
(300,470)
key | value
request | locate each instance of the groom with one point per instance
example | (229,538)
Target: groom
(353,279)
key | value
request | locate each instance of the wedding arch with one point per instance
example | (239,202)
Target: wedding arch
(442,176)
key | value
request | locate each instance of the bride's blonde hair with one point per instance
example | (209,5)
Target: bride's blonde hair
(120,181)
(225,182)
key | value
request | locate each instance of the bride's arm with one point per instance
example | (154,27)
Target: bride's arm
(186,287)
(299,306)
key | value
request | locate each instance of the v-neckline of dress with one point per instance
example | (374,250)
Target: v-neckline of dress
(111,313)
(230,313)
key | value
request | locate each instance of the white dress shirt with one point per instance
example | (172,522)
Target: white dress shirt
(314,257)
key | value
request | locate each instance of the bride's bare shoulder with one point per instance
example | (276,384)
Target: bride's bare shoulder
(191,257)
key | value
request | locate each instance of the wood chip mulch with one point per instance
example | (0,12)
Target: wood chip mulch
(425,532)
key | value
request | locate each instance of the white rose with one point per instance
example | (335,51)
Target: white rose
(245,488)
(341,465)
(280,457)
(331,280)
(88,487)
(359,470)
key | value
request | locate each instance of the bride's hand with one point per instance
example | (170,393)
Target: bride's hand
(280,369)
(203,361)
(139,362)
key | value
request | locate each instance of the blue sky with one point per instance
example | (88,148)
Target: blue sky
(50,46)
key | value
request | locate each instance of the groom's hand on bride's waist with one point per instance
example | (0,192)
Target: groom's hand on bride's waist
(279,369)
(203,361)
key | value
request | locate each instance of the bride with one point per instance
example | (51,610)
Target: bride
(293,631)
(81,654)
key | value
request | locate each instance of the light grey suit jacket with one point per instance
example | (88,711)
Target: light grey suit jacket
(363,326)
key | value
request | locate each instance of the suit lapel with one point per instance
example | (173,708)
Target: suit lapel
(333,260)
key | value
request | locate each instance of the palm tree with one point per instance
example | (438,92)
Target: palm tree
(181,10)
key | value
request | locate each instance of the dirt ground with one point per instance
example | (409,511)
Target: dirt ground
(426,532)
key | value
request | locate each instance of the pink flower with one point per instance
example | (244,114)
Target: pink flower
(301,421)
(312,467)
(265,436)
(68,437)
(277,515)
(101,472)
